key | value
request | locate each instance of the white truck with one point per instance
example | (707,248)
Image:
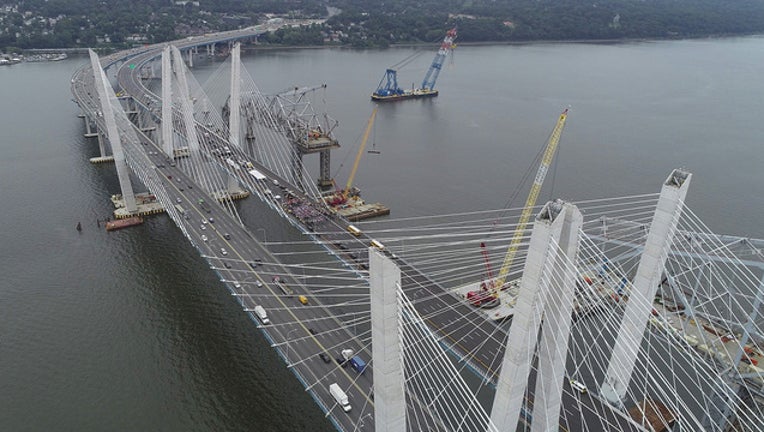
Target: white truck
(339,396)
(262,315)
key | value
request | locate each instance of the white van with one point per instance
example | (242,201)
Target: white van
(578,386)
(262,315)
(340,396)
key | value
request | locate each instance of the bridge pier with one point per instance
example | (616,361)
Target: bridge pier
(101,144)
(389,391)
(325,175)
(645,285)
(89,129)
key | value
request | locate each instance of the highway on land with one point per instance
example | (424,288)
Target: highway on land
(468,334)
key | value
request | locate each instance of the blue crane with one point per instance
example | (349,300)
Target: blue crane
(388,89)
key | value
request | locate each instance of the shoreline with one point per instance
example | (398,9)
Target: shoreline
(101,49)
(488,43)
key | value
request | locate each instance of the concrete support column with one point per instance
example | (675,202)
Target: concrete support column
(105,93)
(101,144)
(389,397)
(555,330)
(167,133)
(190,54)
(515,367)
(645,285)
(325,176)
(234,102)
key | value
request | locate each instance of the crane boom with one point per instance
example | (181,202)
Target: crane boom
(546,160)
(437,63)
(360,152)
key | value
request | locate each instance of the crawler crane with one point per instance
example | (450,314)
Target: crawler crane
(489,289)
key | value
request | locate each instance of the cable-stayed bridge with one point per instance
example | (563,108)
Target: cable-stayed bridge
(635,317)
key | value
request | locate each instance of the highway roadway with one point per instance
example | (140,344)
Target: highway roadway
(304,332)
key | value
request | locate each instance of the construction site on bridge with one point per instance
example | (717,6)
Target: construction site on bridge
(414,309)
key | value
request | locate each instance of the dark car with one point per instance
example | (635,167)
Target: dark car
(341,361)
(253,264)
(310,329)
(227,265)
(227,236)
(325,358)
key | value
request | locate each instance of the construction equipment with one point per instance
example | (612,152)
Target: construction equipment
(388,89)
(488,283)
(484,298)
(494,286)
(340,197)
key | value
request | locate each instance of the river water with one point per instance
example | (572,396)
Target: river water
(131,331)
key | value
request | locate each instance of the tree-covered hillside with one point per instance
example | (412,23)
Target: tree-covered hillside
(120,23)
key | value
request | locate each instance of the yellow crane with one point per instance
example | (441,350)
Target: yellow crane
(341,196)
(546,160)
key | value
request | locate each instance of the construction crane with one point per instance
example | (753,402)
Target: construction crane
(341,196)
(388,89)
(437,63)
(488,283)
(546,160)
(493,286)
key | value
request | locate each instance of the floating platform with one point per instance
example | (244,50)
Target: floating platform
(123,223)
(407,94)
(101,159)
(146,203)
(181,152)
(361,211)
(227,195)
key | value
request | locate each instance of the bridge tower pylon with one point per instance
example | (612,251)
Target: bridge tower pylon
(234,102)
(555,329)
(167,131)
(556,223)
(185,101)
(105,94)
(645,285)
(389,396)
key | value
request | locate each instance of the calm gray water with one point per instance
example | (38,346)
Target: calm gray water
(131,331)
